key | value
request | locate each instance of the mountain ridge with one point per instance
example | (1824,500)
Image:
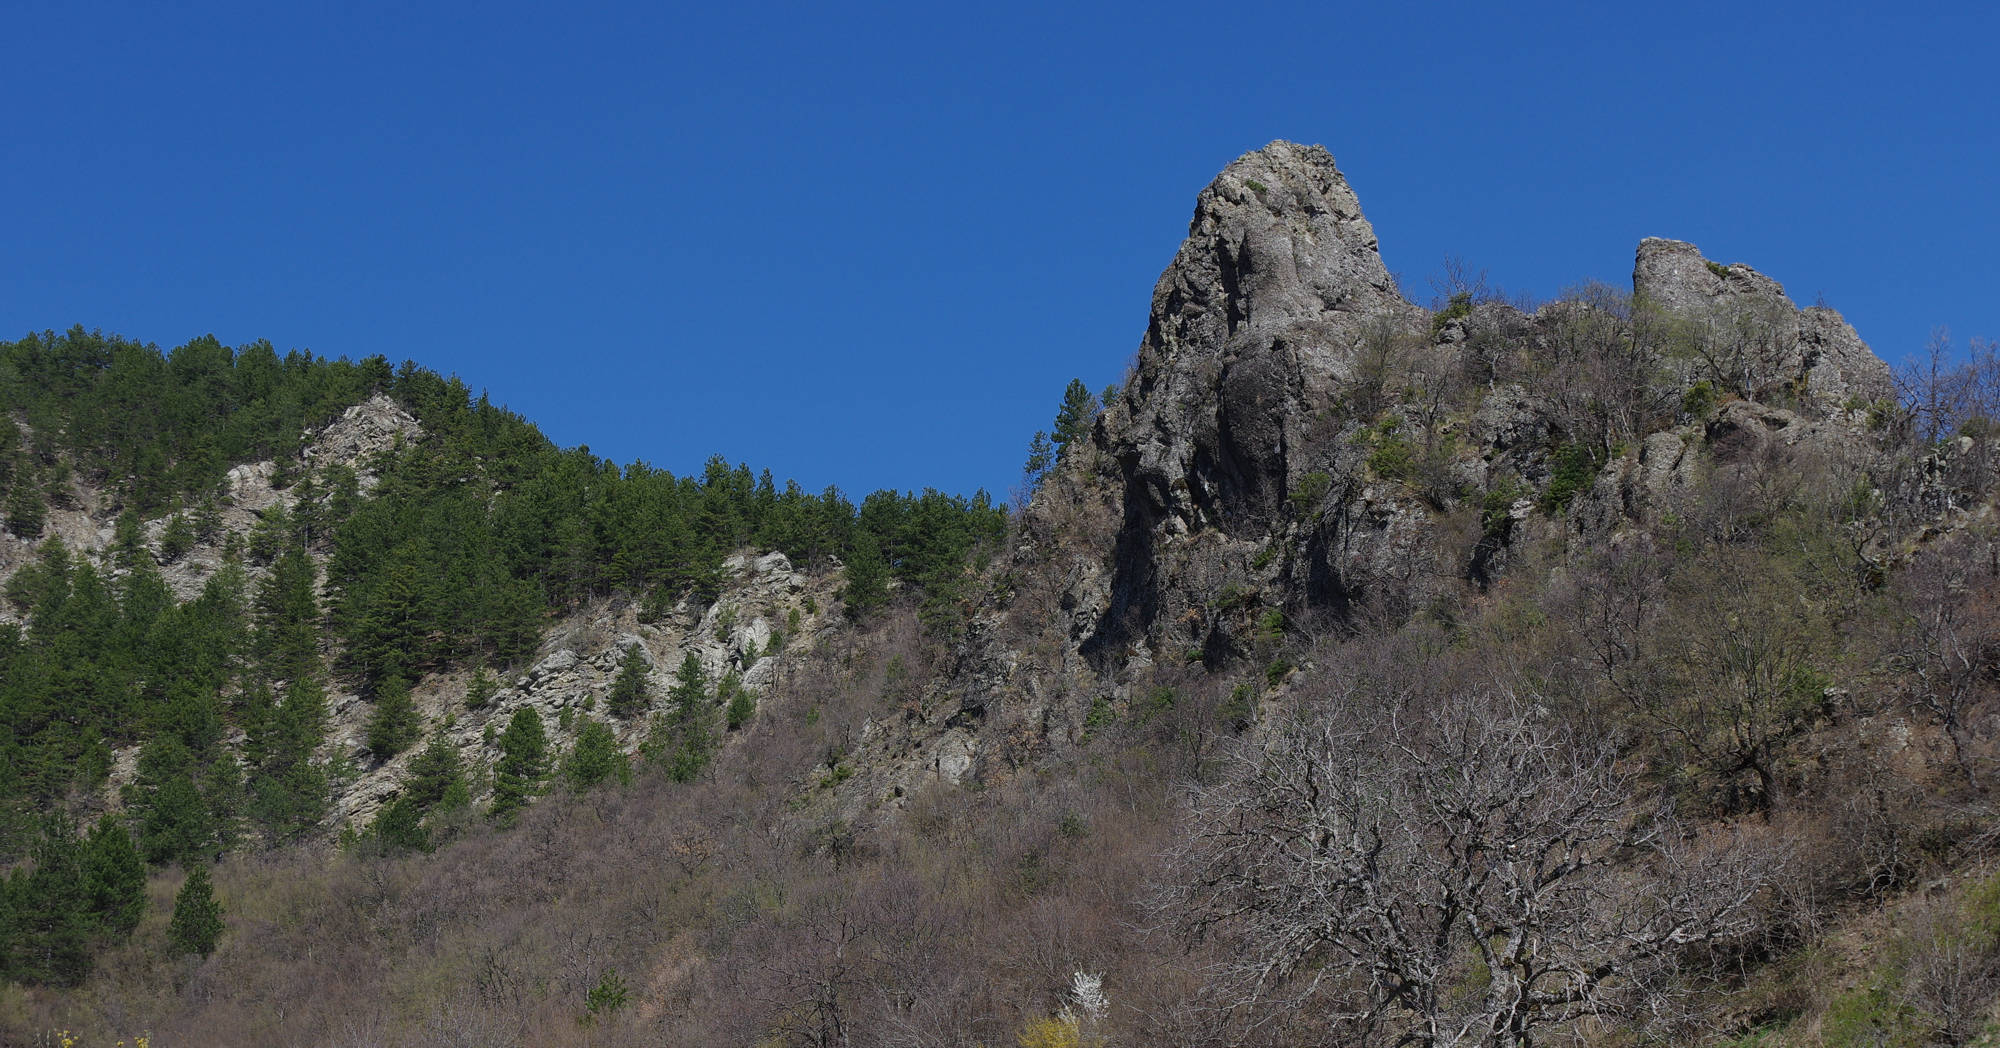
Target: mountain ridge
(1681,547)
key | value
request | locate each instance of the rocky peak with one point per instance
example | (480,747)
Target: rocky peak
(1262,310)
(1809,355)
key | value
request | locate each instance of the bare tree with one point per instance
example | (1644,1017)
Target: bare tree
(1937,392)
(1945,623)
(1457,875)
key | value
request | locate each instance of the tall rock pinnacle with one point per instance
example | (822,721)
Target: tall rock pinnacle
(1277,284)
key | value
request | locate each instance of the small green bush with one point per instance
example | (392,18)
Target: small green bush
(1241,708)
(1393,459)
(609,995)
(1699,401)
(1573,467)
(1457,308)
(1271,626)
(1310,490)
(1101,715)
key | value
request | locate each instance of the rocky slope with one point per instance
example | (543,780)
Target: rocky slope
(767,615)
(1300,448)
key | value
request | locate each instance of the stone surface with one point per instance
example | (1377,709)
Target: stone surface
(1810,355)
(1257,321)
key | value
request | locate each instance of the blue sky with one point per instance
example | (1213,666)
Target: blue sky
(867,245)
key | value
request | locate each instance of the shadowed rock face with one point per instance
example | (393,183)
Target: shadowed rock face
(1810,354)
(1254,330)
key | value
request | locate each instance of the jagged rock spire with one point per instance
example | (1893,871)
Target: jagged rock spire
(1276,285)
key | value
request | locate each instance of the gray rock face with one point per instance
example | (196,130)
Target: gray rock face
(1256,327)
(1258,317)
(1746,323)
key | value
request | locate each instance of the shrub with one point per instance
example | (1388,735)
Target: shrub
(1393,457)
(609,995)
(1457,308)
(1310,490)
(1572,468)
(1699,400)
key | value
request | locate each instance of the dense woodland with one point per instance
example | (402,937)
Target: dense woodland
(475,537)
(1729,780)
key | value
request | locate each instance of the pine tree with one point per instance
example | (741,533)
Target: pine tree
(437,776)
(207,520)
(395,724)
(399,827)
(128,539)
(1073,420)
(629,693)
(689,705)
(1041,455)
(197,921)
(288,792)
(524,753)
(595,757)
(175,823)
(50,909)
(739,704)
(287,617)
(114,878)
(480,690)
(26,513)
(867,578)
(176,539)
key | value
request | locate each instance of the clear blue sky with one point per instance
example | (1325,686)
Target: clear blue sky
(868,245)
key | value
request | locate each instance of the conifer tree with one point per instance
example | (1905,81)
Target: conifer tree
(175,823)
(26,513)
(739,705)
(524,750)
(128,539)
(114,878)
(51,917)
(437,777)
(288,792)
(176,539)
(1041,455)
(629,693)
(480,689)
(287,616)
(1079,409)
(196,925)
(595,757)
(399,827)
(691,741)
(867,578)
(395,724)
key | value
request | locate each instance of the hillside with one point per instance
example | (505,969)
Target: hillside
(1609,670)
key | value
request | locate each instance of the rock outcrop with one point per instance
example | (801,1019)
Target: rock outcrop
(766,617)
(1256,324)
(1299,445)
(1768,345)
